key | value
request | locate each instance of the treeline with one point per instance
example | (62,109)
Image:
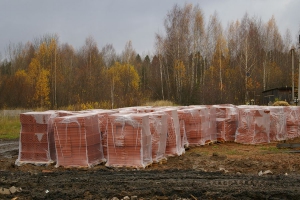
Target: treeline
(195,62)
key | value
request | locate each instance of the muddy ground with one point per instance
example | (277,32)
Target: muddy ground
(216,171)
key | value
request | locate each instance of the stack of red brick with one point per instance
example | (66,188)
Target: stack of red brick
(292,114)
(226,121)
(278,123)
(37,138)
(254,125)
(199,124)
(78,140)
(192,123)
(129,141)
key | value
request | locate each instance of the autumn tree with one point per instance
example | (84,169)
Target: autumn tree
(249,48)
(90,64)
(109,55)
(128,54)
(124,85)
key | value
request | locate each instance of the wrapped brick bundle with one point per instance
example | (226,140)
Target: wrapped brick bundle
(254,125)
(226,121)
(212,126)
(103,126)
(36,145)
(278,127)
(129,141)
(175,146)
(158,128)
(78,141)
(292,121)
(208,124)
(196,124)
(191,124)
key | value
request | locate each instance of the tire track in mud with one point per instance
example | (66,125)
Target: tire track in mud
(171,184)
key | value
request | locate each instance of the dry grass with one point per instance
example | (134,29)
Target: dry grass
(281,103)
(159,103)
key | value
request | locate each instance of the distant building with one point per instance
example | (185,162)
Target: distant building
(278,94)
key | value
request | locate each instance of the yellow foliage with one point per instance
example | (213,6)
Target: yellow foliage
(124,84)
(180,68)
(20,74)
(281,103)
(252,84)
(95,105)
(42,52)
(41,95)
(34,70)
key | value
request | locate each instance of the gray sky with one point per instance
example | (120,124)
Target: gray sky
(118,21)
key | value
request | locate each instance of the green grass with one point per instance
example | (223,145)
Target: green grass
(270,149)
(10,127)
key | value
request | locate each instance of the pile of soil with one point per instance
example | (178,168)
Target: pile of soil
(216,171)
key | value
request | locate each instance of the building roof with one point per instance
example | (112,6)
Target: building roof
(280,88)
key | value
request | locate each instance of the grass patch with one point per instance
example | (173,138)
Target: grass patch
(160,103)
(270,149)
(10,127)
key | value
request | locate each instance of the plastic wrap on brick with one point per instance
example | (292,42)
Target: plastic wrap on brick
(212,126)
(175,146)
(208,123)
(182,119)
(208,114)
(278,126)
(227,121)
(128,110)
(62,113)
(158,128)
(254,125)
(78,140)
(195,125)
(292,121)
(129,141)
(36,143)
(103,126)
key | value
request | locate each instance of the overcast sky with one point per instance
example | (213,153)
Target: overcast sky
(118,21)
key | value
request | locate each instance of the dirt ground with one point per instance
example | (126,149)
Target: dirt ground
(215,171)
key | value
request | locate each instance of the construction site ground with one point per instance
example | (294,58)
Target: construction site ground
(215,171)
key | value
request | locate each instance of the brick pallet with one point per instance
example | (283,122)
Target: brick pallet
(292,114)
(226,121)
(278,125)
(199,126)
(78,140)
(36,145)
(254,126)
(158,128)
(129,141)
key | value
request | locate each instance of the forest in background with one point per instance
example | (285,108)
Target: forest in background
(196,61)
